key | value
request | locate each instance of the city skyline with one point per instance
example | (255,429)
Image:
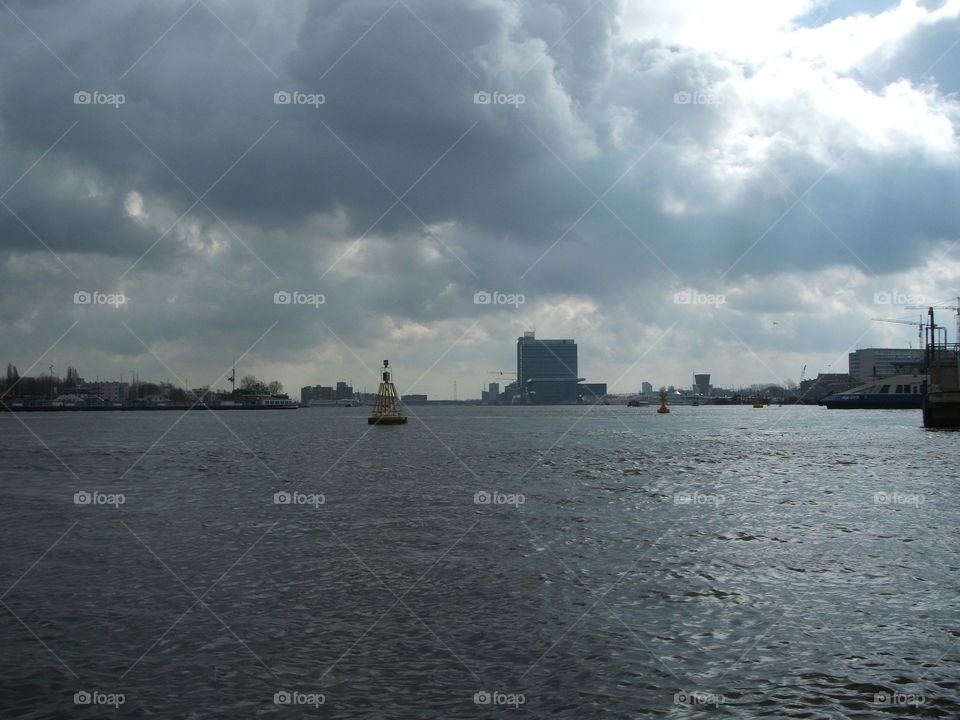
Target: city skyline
(862,365)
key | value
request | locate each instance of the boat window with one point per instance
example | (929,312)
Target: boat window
(885,389)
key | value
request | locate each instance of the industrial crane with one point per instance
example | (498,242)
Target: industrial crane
(907,322)
(955,308)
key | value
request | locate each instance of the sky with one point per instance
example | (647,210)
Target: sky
(733,188)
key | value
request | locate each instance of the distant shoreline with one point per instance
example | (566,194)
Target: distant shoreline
(127,408)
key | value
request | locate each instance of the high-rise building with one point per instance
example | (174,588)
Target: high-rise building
(870,363)
(343,392)
(646,388)
(547,370)
(701,384)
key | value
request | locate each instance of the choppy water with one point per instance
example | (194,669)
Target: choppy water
(723,562)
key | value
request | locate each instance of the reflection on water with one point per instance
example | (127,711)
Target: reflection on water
(793,562)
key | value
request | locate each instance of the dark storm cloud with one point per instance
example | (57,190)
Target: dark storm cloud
(597,183)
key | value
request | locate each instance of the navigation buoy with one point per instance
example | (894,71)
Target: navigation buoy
(663,403)
(387,411)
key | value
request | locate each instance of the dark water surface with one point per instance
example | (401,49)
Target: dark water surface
(721,562)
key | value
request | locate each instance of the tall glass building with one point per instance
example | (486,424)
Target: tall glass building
(547,370)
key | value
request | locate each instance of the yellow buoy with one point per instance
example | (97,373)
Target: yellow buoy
(386,411)
(663,403)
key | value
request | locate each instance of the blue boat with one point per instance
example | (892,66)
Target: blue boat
(890,393)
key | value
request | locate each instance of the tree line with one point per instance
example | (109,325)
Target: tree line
(49,385)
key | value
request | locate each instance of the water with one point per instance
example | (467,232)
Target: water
(719,561)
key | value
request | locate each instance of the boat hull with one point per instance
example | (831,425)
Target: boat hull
(876,401)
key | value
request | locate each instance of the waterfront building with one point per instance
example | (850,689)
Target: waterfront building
(701,384)
(592,392)
(874,363)
(547,370)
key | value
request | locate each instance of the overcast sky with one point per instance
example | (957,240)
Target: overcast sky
(693,186)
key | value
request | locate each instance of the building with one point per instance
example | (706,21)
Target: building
(701,384)
(306,395)
(646,388)
(871,363)
(413,399)
(592,392)
(491,395)
(547,370)
(111,392)
(343,392)
(815,389)
(311,393)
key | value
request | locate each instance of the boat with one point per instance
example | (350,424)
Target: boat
(890,393)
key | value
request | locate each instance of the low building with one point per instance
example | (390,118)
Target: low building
(310,393)
(875,363)
(553,391)
(592,392)
(815,389)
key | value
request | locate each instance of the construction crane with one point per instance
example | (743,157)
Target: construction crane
(501,372)
(955,308)
(921,325)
